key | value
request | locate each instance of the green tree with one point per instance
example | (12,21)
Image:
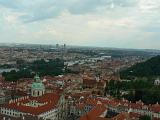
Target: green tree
(145,118)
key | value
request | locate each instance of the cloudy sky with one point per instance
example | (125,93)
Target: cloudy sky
(106,23)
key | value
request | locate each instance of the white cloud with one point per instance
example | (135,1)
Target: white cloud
(149,6)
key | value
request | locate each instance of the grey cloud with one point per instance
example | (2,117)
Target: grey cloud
(44,9)
(12,4)
(86,6)
(124,3)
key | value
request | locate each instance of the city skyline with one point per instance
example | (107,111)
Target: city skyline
(101,23)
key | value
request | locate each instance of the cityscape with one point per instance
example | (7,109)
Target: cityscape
(79,60)
(60,82)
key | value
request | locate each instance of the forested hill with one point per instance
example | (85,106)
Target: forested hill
(148,68)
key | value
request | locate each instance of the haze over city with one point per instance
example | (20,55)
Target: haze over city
(101,23)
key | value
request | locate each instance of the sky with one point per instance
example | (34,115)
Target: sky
(101,23)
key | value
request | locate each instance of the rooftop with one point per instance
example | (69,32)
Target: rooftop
(48,101)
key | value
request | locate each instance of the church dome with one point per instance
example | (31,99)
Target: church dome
(36,85)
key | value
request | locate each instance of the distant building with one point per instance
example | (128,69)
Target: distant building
(157,81)
(2,96)
(97,87)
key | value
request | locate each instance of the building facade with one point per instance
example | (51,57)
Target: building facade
(46,106)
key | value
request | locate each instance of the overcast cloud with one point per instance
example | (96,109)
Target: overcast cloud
(106,23)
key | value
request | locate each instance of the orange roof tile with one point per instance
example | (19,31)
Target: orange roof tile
(51,99)
(94,113)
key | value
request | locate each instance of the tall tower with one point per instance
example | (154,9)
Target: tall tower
(65,49)
(57,46)
(38,88)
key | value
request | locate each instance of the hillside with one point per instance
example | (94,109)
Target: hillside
(148,68)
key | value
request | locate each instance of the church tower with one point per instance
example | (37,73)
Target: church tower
(37,88)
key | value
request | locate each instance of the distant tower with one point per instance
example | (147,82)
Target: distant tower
(65,48)
(57,46)
(38,88)
(11,53)
(63,51)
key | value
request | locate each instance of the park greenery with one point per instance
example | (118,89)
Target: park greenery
(141,89)
(149,68)
(145,118)
(138,84)
(42,67)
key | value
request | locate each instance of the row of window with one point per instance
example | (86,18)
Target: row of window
(9,112)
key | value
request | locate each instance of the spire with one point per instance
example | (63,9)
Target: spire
(37,78)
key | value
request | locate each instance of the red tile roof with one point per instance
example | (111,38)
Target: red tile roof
(94,113)
(122,116)
(51,100)
(155,108)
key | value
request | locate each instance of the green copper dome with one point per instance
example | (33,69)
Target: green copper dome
(37,84)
